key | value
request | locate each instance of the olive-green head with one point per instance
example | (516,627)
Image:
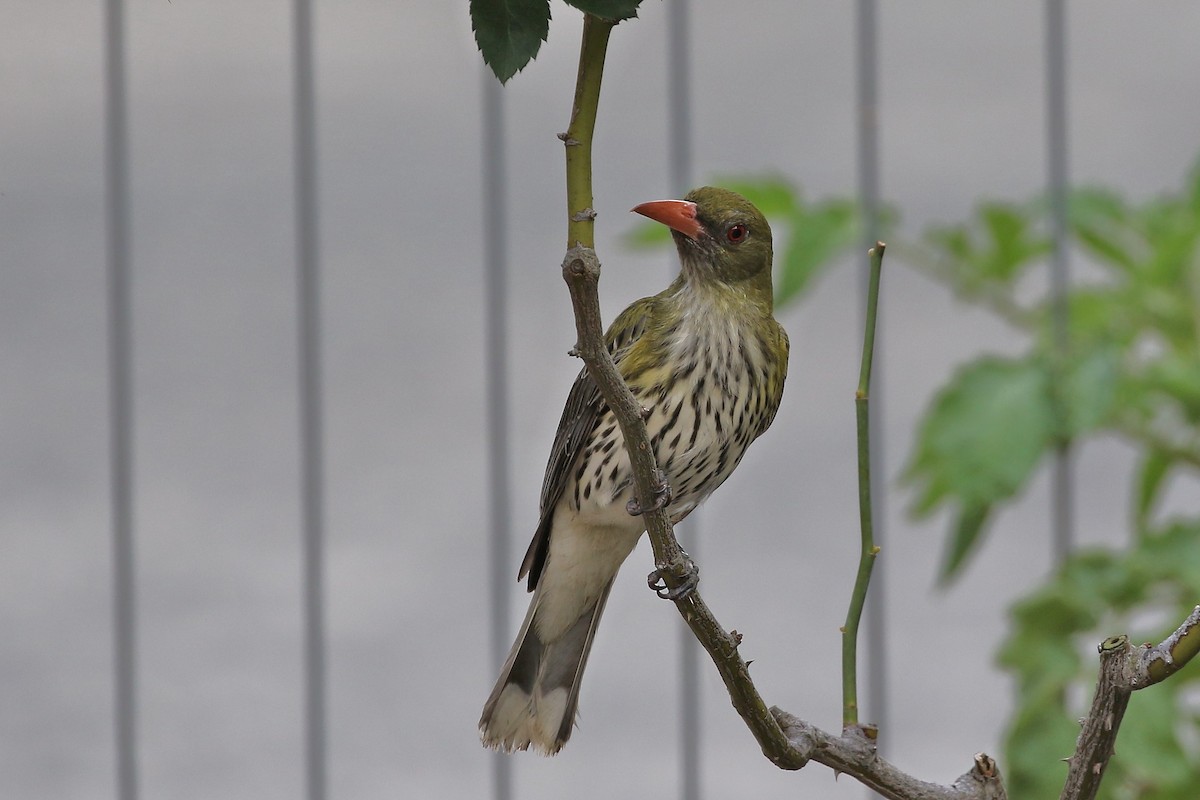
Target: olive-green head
(720,236)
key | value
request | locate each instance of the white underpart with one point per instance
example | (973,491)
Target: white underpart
(583,559)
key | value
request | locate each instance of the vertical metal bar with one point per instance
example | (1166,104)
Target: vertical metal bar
(679,98)
(869,197)
(312,480)
(495,280)
(679,153)
(1056,131)
(120,347)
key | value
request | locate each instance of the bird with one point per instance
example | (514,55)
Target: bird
(706,360)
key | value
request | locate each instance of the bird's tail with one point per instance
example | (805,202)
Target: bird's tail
(534,701)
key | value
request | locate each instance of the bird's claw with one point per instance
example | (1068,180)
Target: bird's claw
(662,498)
(688,580)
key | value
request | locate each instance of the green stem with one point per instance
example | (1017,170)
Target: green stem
(581,269)
(868,356)
(578,138)
(866,560)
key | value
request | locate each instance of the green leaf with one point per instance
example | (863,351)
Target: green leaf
(775,196)
(984,433)
(1015,242)
(963,537)
(646,235)
(1171,555)
(1098,579)
(817,235)
(1173,253)
(608,9)
(1148,752)
(1060,609)
(992,249)
(1193,189)
(1101,314)
(979,443)
(1046,665)
(1153,469)
(509,33)
(1101,222)
(1091,390)
(1035,742)
(1177,376)
(954,240)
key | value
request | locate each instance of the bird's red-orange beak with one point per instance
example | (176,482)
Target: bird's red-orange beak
(679,215)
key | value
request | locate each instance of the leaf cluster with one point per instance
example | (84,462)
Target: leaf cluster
(1132,366)
(1131,369)
(988,429)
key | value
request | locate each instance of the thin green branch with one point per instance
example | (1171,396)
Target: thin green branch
(868,355)
(581,271)
(866,560)
(578,139)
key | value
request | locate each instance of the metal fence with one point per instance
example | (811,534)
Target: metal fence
(121,343)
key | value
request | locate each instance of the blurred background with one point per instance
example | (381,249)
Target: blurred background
(400,136)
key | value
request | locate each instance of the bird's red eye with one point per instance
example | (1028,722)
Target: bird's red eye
(737,234)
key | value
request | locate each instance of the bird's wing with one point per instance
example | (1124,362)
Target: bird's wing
(585,406)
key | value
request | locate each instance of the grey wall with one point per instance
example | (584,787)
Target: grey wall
(399,88)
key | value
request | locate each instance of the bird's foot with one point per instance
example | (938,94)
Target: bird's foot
(688,579)
(662,497)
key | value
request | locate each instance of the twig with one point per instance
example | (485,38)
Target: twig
(866,561)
